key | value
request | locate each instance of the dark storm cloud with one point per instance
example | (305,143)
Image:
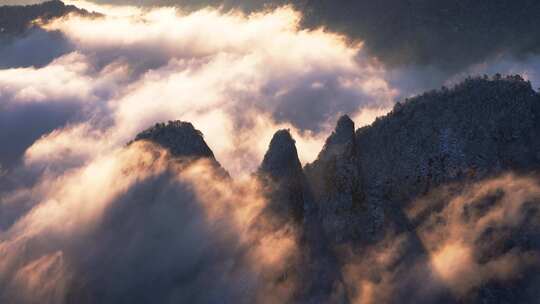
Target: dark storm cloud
(448,34)
(426,43)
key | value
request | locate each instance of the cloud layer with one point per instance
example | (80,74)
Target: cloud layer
(231,74)
(86,217)
(67,231)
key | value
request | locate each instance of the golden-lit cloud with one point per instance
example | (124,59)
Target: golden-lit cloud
(96,207)
(237,77)
(71,208)
(43,280)
(454,252)
(68,78)
(457,237)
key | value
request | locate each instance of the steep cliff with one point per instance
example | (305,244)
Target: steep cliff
(427,154)
(386,200)
(283,179)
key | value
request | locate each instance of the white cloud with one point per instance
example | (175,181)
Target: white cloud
(237,77)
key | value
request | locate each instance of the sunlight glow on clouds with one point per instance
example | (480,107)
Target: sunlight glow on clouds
(87,207)
(238,78)
(221,71)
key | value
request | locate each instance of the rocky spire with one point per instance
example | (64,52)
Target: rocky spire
(344,131)
(341,141)
(281,159)
(336,183)
(283,179)
(180,138)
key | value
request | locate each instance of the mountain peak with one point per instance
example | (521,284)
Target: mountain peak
(179,137)
(282,156)
(341,138)
(344,130)
(283,178)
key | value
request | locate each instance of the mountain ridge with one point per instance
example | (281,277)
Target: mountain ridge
(356,193)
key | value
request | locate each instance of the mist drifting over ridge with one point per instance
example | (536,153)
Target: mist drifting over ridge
(166,152)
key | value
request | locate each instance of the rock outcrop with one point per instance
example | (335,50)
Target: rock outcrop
(180,138)
(185,144)
(337,188)
(480,128)
(283,178)
(357,192)
(461,136)
(291,201)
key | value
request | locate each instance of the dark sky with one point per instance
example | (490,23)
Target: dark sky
(447,34)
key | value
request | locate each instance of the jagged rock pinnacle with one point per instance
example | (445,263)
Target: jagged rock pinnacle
(282,157)
(341,139)
(283,179)
(344,130)
(179,137)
